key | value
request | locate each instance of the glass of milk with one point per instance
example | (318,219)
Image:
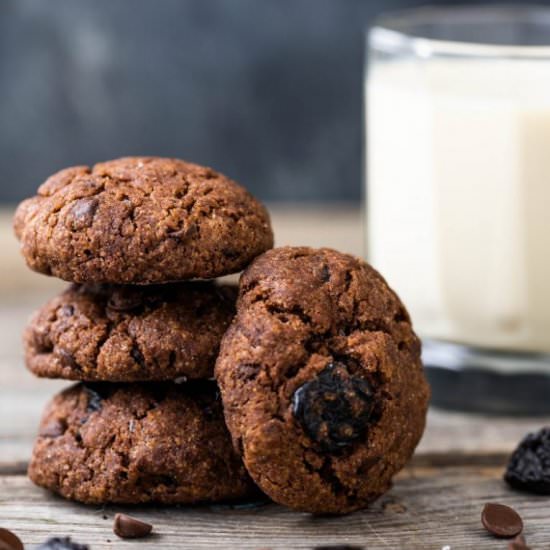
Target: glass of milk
(458,195)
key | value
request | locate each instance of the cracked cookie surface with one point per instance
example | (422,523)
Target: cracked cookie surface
(322,384)
(130,333)
(141,220)
(137,443)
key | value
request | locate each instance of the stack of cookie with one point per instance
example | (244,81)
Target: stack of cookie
(130,235)
(319,369)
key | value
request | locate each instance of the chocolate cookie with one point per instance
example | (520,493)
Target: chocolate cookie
(130,333)
(141,220)
(321,380)
(136,443)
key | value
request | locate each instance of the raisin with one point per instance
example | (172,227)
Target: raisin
(334,408)
(529,466)
(62,543)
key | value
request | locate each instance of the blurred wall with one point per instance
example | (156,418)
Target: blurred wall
(267,91)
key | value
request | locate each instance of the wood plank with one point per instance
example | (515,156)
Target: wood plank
(460,434)
(427,508)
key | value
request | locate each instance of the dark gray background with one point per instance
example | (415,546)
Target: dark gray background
(267,91)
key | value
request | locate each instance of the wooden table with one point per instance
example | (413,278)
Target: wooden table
(436,501)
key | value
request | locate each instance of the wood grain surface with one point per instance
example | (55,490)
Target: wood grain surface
(428,508)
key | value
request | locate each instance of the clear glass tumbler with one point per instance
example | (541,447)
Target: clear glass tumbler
(458,195)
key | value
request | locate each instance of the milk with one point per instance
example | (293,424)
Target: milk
(458,172)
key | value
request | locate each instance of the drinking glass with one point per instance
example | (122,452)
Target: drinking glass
(458,195)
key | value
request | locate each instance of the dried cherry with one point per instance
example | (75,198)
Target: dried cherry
(334,408)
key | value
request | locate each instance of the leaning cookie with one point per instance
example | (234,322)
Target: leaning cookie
(141,220)
(320,373)
(137,443)
(130,333)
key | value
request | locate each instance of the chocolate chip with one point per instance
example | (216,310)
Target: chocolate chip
(127,527)
(82,213)
(62,543)
(9,541)
(501,520)
(518,544)
(334,408)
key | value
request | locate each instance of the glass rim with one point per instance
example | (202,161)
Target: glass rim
(393,31)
